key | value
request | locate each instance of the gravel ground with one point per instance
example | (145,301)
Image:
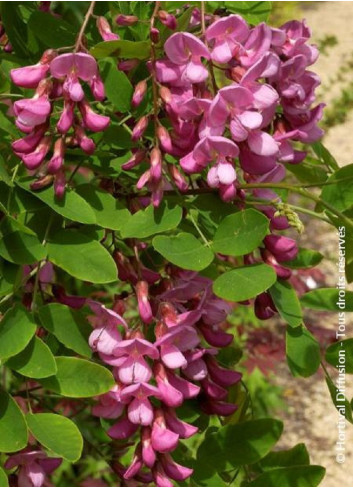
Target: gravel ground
(311,417)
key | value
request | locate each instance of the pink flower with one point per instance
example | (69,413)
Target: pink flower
(283,248)
(124,428)
(34,159)
(181,428)
(133,367)
(29,143)
(110,405)
(140,410)
(258,43)
(175,341)
(31,112)
(73,66)
(34,466)
(173,470)
(94,122)
(227,34)
(208,149)
(163,440)
(297,34)
(30,76)
(185,50)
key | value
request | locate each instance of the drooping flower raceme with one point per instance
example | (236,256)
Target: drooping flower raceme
(176,366)
(57,79)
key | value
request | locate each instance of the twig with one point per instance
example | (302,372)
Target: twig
(89,12)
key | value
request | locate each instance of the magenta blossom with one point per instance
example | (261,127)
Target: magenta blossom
(185,51)
(140,410)
(226,36)
(72,67)
(34,466)
(132,365)
(174,342)
(208,149)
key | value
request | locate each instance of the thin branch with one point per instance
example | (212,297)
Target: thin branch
(79,43)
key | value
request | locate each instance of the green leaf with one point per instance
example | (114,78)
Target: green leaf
(244,283)
(303,352)
(113,78)
(324,155)
(339,400)
(4,176)
(70,327)
(240,233)
(297,455)
(16,331)
(71,206)
(10,276)
(300,476)
(15,27)
(287,302)
(3,478)
(56,433)
(339,194)
(81,257)
(110,213)
(253,12)
(13,428)
(20,247)
(340,355)
(150,221)
(51,30)
(35,361)
(79,378)
(184,250)
(235,445)
(122,49)
(327,299)
(305,259)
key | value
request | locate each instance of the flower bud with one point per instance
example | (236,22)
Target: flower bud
(264,307)
(139,93)
(57,160)
(126,20)
(105,30)
(67,117)
(165,95)
(154,35)
(59,184)
(42,182)
(86,144)
(135,160)
(167,19)
(128,64)
(139,128)
(156,165)
(97,87)
(144,305)
(164,139)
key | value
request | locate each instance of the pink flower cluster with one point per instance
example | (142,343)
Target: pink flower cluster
(56,78)
(155,376)
(251,123)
